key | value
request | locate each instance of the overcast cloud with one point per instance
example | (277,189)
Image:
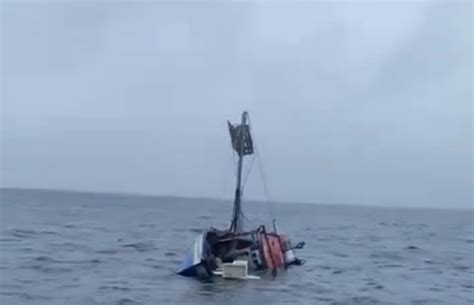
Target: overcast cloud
(350,103)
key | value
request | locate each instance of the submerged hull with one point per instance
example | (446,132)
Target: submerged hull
(265,251)
(194,263)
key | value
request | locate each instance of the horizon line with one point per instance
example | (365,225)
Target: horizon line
(260,201)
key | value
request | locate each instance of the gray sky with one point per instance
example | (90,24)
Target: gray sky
(350,103)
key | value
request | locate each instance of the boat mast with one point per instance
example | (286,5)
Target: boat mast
(236,225)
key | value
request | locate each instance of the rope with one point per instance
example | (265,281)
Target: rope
(262,175)
(249,168)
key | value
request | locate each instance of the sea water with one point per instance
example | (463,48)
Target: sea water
(80,248)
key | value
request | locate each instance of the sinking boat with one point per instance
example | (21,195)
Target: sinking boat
(237,252)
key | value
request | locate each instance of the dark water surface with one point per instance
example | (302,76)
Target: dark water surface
(76,248)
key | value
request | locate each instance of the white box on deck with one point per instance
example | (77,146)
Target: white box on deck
(237,269)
